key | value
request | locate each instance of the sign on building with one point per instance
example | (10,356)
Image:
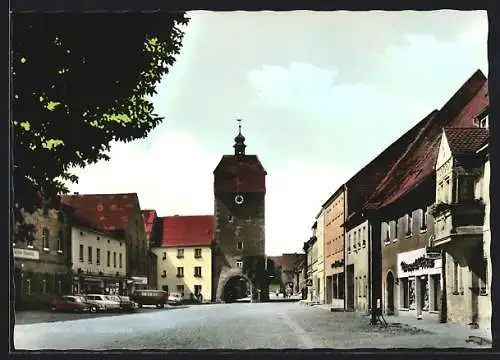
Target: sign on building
(309,282)
(26,254)
(140,280)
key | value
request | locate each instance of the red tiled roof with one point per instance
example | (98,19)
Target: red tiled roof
(286,261)
(149,217)
(108,212)
(466,140)
(240,174)
(188,230)
(418,161)
(364,183)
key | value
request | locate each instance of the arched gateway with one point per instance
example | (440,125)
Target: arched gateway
(233,285)
(239,190)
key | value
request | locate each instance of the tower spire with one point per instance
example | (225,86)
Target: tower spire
(239,141)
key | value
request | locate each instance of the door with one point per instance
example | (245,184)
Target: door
(350,287)
(390,293)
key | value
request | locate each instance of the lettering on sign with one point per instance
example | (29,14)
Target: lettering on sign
(26,254)
(419,263)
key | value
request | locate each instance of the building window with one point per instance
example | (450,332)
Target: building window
(484,278)
(455,277)
(180,253)
(114,258)
(121,260)
(423,220)
(164,274)
(44,286)
(180,290)
(197,290)
(197,271)
(98,256)
(239,264)
(89,255)
(465,188)
(30,239)
(365,236)
(27,287)
(446,190)
(165,288)
(355,240)
(80,255)
(164,256)
(60,235)
(387,235)
(408,224)
(230,218)
(240,245)
(180,272)
(396,229)
(45,238)
(197,253)
(108,259)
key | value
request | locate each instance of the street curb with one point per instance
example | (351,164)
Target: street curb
(479,340)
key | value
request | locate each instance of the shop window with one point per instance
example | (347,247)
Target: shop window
(484,278)
(180,253)
(404,293)
(89,255)
(45,238)
(180,290)
(197,271)
(80,254)
(411,294)
(180,272)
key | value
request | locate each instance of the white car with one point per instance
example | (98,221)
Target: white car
(102,302)
(174,299)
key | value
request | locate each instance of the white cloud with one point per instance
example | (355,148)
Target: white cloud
(172,176)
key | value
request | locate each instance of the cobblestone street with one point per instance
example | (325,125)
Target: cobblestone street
(233,326)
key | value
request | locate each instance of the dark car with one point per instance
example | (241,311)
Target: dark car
(126,304)
(69,303)
(150,297)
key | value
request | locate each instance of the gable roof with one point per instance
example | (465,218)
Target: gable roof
(418,162)
(107,212)
(243,173)
(466,140)
(149,217)
(187,230)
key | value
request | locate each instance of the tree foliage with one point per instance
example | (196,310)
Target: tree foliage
(79,82)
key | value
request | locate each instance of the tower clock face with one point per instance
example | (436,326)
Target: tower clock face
(239,199)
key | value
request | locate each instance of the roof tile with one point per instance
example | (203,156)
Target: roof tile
(188,230)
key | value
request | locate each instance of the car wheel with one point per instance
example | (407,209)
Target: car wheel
(93,309)
(53,308)
(139,306)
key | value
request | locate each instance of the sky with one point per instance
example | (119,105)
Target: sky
(320,93)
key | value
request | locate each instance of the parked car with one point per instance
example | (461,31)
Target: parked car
(69,303)
(127,304)
(102,302)
(175,299)
(150,297)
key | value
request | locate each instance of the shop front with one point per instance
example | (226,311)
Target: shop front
(99,284)
(419,284)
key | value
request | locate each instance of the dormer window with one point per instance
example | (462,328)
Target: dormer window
(482,120)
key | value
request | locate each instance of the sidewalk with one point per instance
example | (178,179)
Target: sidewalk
(480,336)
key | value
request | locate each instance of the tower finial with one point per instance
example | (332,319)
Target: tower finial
(239,125)
(239,141)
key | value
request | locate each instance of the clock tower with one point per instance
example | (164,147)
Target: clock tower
(239,208)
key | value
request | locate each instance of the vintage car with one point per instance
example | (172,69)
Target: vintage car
(69,303)
(102,303)
(150,297)
(175,299)
(127,304)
